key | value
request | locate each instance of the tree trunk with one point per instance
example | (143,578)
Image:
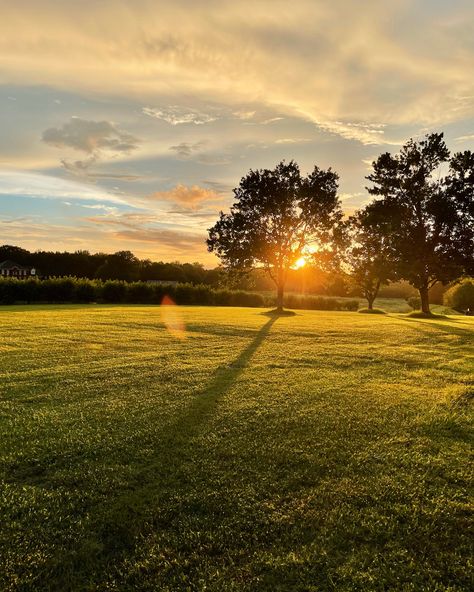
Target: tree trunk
(425,299)
(370,300)
(280,298)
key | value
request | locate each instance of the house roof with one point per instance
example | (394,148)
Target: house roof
(8,264)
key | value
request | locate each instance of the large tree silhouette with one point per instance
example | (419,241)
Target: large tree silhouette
(276,215)
(427,220)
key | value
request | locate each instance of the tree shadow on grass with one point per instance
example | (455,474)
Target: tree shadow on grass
(119,529)
(466,334)
(225,376)
(153,497)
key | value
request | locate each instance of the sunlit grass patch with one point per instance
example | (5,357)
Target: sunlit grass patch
(322,451)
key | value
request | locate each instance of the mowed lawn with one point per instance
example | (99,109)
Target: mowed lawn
(234,451)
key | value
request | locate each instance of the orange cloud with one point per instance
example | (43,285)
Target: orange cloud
(189,198)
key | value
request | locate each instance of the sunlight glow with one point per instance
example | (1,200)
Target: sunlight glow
(301,262)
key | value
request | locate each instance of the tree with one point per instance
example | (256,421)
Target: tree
(460,188)
(367,255)
(423,216)
(122,265)
(276,215)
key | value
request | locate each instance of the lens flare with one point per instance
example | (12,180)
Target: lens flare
(172,318)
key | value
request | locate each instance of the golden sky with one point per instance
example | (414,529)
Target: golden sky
(125,124)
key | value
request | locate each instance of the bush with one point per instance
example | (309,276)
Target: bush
(86,291)
(414,302)
(241,298)
(319,303)
(9,291)
(114,291)
(222,297)
(140,293)
(117,292)
(461,296)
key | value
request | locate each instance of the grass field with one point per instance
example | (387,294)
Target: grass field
(324,451)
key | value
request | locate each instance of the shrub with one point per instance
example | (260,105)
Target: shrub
(86,291)
(414,302)
(241,298)
(9,291)
(222,297)
(114,291)
(461,296)
(319,303)
(140,293)
(31,290)
(56,290)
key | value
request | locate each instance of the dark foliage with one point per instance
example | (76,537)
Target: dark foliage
(276,215)
(122,265)
(427,221)
(73,290)
(367,256)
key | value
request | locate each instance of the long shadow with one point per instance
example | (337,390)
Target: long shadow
(223,379)
(119,528)
(467,334)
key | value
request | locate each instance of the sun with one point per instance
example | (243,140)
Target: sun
(301,262)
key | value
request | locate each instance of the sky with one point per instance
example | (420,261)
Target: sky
(126,124)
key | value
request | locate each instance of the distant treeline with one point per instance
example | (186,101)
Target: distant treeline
(125,266)
(77,290)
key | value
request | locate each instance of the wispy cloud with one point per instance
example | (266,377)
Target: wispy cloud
(49,187)
(467,138)
(292,140)
(175,115)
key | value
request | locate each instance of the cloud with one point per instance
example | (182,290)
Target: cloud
(410,62)
(188,198)
(175,115)
(92,137)
(219,187)
(368,134)
(172,239)
(186,149)
(143,228)
(245,115)
(49,187)
(466,138)
(103,234)
(292,140)
(81,168)
(102,207)
(99,139)
(271,120)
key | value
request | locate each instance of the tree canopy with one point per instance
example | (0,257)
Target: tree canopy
(367,255)
(426,219)
(276,216)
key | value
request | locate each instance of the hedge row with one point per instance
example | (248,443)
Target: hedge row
(62,290)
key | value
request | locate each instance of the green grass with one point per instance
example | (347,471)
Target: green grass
(323,451)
